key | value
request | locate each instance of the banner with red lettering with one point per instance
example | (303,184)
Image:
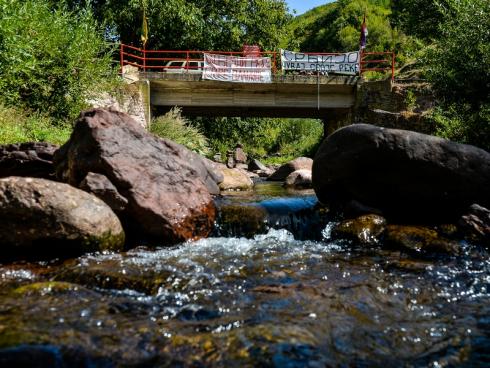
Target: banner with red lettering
(237,69)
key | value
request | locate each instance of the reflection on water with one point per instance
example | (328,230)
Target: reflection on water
(270,300)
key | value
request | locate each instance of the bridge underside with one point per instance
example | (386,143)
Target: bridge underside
(287,96)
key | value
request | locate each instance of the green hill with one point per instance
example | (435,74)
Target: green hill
(335,27)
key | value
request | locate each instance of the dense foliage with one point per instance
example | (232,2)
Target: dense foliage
(262,137)
(459,68)
(195,24)
(50,58)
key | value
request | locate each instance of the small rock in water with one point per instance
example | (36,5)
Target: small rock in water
(254,165)
(475,224)
(300,163)
(241,220)
(235,179)
(419,239)
(299,179)
(366,229)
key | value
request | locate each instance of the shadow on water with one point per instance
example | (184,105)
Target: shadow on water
(268,300)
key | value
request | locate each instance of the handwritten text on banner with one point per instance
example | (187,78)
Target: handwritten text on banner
(237,69)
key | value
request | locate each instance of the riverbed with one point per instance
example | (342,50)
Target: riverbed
(279,298)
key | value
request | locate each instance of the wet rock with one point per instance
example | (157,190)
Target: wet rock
(300,163)
(365,229)
(242,220)
(42,217)
(47,356)
(111,274)
(235,179)
(32,159)
(166,185)
(475,224)
(49,287)
(419,239)
(102,188)
(254,165)
(262,173)
(299,179)
(407,175)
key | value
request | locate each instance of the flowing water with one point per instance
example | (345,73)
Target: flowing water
(270,300)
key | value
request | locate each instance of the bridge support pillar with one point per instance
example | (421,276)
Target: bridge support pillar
(336,119)
(144,87)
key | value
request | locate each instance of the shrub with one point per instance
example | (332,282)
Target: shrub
(50,58)
(462,123)
(176,128)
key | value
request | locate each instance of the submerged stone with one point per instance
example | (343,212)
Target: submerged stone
(242,220)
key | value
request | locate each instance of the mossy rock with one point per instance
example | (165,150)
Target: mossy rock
(47,287)
(365,229)
(242,220)
(419,240)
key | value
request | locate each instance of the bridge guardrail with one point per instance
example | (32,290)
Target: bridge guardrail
(159,60)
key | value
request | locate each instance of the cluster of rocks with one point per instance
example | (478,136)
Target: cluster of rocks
(371,175)
(152,188)
(113,181)
(239,172)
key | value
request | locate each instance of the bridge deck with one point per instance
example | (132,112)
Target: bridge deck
(285,96)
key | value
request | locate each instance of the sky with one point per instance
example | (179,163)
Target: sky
(302,6)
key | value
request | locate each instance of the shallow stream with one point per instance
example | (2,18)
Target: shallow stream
(270,300)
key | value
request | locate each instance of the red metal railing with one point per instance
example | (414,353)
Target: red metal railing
(189,61)
(378,62)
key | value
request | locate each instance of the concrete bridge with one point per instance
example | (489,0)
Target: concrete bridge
(330,98)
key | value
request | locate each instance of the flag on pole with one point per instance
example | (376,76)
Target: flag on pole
(364,33)
(144,28)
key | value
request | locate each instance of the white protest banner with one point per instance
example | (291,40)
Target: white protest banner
(347,63)
(237,69)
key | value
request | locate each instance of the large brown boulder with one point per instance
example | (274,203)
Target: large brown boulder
(167,186)
(402,173)
(40,217)
(300,163)
(31,159)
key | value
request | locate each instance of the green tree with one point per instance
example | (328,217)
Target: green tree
(419,18)
(50,58)
(195,24)
(459,68)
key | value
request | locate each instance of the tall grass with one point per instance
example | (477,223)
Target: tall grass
(17,126)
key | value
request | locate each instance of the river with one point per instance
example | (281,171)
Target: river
(287,297)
